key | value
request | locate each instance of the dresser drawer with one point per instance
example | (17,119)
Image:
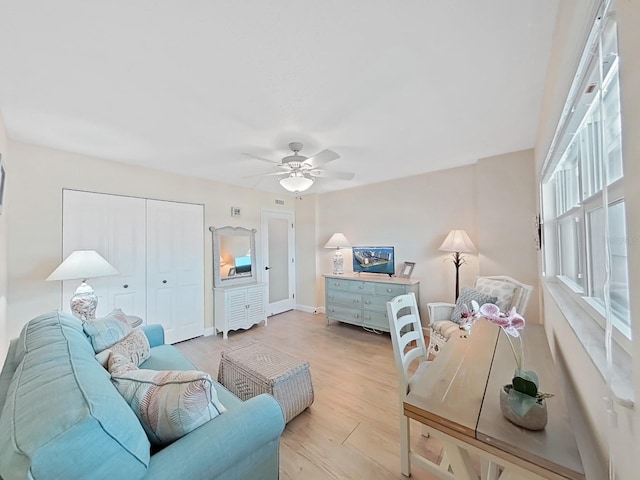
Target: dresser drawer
(376,319)
(344,298)
(362,287)
(338,284)
(344,314)
(375,302)
(389,289)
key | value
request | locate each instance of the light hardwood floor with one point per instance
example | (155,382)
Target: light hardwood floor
(351,431)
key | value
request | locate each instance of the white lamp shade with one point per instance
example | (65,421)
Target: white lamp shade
(82,264)
(296,182)
(337,240)
(457,241)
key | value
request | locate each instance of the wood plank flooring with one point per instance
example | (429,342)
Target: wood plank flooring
(351,431)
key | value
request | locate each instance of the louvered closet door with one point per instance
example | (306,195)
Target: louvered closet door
(175,268)
(114,226)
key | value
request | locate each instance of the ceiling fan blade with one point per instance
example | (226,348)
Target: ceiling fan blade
(269,173)
(321,158)
(332,174)
(260,158)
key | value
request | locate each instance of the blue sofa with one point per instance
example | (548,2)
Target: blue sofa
(62,418)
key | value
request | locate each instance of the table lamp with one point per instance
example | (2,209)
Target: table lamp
(457,242)
(83,264)
(338,241)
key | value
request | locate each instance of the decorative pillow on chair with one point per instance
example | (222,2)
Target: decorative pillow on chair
(466,296)
(169,403)
(503,291)
(104,332)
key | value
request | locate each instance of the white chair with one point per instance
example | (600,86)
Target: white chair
(508,291)
(408,342)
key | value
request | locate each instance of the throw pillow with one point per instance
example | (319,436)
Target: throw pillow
(466,296)
(503,291)
(169,404)
(134,346)
(104,332)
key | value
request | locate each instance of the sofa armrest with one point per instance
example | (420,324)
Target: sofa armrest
(222,442)
(439,311)
(154,333)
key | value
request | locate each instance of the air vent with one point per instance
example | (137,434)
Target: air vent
(279,202)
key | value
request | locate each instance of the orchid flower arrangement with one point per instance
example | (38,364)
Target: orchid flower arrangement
(523,393)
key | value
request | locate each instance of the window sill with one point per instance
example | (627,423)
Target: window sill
(591,336)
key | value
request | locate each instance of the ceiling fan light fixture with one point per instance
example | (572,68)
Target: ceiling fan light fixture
(296,182)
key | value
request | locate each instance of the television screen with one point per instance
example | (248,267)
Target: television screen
(243,264)
(373,260)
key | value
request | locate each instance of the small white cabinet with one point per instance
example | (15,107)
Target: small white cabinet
(240,306)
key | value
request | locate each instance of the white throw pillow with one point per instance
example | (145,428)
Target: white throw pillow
(169,403)
(134,347)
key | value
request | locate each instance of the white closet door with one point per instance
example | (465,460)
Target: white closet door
(175,268)
(114,226)
(127,252)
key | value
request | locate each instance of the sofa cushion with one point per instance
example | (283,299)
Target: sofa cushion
(87,421)
(464,299)
(107,331)
(169,403)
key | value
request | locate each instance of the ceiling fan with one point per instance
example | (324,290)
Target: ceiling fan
(299,172)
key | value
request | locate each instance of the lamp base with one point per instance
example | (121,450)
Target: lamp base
(84,303)
(338,263)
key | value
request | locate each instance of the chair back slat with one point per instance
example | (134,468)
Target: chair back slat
(407,336)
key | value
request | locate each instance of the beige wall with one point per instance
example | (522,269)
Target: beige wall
(38,176)
(493,201)
(4,334)
(622,438)
(505,210)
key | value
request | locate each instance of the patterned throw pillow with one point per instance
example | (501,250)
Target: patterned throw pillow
(134,347)
(503,291)
(104,332)
(169,403)
(466,295)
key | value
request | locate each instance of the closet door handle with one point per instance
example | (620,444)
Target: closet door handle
(164,281)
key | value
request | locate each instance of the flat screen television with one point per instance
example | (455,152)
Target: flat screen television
(374,260)
(243,264)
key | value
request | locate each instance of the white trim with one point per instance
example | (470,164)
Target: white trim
(591,336)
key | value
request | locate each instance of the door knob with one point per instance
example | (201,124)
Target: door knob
(267,268)
(126,285)
(164,281)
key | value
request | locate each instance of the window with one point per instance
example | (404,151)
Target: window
(583,197)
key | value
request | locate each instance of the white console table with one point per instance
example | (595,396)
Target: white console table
(362,299)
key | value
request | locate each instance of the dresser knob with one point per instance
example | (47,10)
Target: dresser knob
(164,281)
(126,285)
(389,290)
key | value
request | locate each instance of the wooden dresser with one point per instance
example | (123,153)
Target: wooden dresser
(362,299)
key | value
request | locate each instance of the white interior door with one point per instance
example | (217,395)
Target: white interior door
(175,268)
(278,247)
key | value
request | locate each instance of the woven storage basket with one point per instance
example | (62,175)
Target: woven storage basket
(253,368)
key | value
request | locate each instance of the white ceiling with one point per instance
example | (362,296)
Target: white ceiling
(397,88)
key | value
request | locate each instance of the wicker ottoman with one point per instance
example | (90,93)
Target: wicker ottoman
(254,368)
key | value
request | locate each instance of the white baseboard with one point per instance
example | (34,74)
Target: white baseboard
(308,309)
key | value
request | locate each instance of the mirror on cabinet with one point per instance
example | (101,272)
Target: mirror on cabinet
(234,256)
